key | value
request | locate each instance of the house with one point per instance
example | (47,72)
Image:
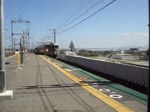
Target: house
(125,57)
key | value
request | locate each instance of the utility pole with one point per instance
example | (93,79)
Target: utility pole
(2,51)
(12,39)
(5,37)
(3,93)
(21,51)
(148,106)
(54,34)
(23,37)
(32,44)
(14,45)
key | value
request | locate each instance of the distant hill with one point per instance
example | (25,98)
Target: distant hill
(140,47)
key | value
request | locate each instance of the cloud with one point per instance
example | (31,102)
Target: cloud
(134,34)
(124,34)
(141,34)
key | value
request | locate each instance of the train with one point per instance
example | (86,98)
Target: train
(49,48)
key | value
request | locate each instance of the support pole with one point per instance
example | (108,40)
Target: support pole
(54,35)
(23,37)
(20,33)
(4,94)
(12,39)
(21,51)
(2,51)
(14,45)
(148,106)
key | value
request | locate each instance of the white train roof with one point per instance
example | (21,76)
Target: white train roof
(46,43)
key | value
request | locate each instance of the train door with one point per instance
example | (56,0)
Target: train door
(56,50)
(51,50)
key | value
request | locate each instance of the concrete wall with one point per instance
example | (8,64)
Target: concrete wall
(130,73)
(9,53)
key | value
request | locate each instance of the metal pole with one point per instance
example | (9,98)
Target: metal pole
(28,28)
(24,33)
(12,44)
(148,106)
(54,35)
(21,51)
(2,51)
(32,44)
(23,37)
(29,34)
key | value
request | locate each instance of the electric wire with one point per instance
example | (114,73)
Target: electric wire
(73,13)
(87,17)
(94,5)
(49,37)
(82,5)
(8,38)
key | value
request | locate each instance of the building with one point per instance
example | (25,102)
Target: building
(125,57)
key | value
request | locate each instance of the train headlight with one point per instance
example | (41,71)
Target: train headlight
(46,50)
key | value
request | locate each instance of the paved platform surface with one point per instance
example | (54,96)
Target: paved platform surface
(40,87)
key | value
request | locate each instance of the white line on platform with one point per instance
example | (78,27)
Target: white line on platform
(69,70)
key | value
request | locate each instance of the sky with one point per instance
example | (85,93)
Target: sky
(123,23)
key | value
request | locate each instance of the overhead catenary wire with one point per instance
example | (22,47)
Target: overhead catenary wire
(77,10)
(87,17)
(49,37)
(94,5)
(7,38)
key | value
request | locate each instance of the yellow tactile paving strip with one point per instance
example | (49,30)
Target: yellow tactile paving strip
(109,101)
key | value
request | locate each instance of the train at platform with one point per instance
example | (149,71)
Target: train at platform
(49,48)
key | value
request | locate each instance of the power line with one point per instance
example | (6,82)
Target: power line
(7,38)
(87,17)
(77,10)
(49,37)
(94,5)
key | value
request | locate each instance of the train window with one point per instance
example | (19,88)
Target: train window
(56,46)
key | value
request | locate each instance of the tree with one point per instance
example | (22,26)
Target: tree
(71,46)
(148,52)
(62,51)
(106,53)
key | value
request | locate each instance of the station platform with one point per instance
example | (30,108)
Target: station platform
(44,84)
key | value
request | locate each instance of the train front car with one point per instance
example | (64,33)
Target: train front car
(53,50)
(47,49)
(50,49)
(56,50)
